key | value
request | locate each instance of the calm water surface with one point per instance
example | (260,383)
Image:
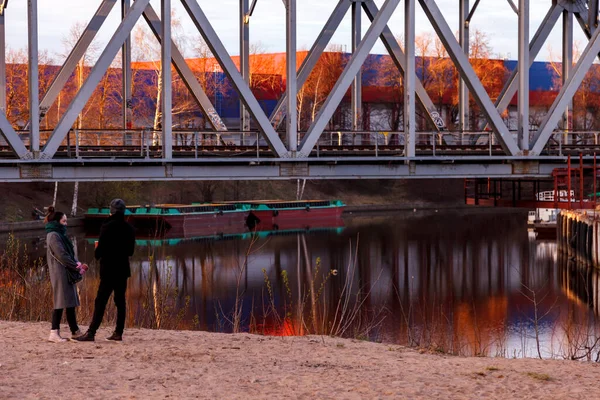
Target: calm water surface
(467,282)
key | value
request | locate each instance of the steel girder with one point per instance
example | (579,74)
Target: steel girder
(567,64)
(245,13)
(409,79)
(167,86)
(586,14)
(33,76)
(2,64)
(356,94)
(280,169)
(13,140)
(523,67)
(463,38)
(291,86)
(126,69)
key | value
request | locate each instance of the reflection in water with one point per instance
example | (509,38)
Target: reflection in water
(468,282)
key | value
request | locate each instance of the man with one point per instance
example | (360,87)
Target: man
(115,246)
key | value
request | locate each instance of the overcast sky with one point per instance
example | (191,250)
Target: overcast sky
(495,17)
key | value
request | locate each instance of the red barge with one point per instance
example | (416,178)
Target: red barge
(225,218)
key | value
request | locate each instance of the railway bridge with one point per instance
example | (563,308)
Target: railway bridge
(273,147)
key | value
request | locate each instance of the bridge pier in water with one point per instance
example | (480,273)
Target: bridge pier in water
(578,235)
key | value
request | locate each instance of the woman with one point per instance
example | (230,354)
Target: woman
(61,256)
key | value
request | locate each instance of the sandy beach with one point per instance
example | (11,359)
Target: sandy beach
(185,364)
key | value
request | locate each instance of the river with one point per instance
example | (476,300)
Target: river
(469,282)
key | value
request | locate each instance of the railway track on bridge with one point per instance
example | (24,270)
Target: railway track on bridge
(191,152)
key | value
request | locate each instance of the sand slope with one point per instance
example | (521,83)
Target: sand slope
(176,364)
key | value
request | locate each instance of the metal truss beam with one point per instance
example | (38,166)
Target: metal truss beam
(523,67)
(512,84)
(246,169)
(354,65)
(2,65)
(291,78)
(567,65)
(356,100)
(75,55)
(312,57)
(583,16)
(397,55)
(33,76)
(472,12)
(220,53)
(409,79)
(593,14)
(463,90)
(13,140)
(513,6)
(185,72)
(90,84)
(245,13)
(468,74)
(356,94)
(566,93)
(126,70)
(167,81)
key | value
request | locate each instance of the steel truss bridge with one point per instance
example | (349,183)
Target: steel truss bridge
(277,150)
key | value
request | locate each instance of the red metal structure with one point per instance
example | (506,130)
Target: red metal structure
(567,189)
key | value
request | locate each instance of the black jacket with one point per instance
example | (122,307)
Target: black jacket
(115,246)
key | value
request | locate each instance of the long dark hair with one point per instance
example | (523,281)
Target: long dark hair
(53,215)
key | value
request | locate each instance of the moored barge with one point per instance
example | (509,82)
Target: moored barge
(180,220)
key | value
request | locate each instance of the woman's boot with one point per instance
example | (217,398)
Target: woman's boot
(55,336)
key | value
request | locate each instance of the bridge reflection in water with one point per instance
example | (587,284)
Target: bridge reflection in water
(467,282)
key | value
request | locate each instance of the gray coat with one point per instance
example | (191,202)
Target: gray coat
(64,294)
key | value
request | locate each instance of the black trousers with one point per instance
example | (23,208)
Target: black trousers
(106,288)
(71,319)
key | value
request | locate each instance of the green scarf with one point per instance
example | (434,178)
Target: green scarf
(57,227)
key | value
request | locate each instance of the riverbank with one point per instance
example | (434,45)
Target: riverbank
(19,198)
(37,225)
(185,364)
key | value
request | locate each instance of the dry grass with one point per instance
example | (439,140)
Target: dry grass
(539,377)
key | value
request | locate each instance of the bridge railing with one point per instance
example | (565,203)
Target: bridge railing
(195,143)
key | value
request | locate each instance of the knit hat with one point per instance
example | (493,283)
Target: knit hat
(117,206)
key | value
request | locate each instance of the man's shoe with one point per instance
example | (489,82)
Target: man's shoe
(115,337)
(87,337)
(55,337)
(75,335)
